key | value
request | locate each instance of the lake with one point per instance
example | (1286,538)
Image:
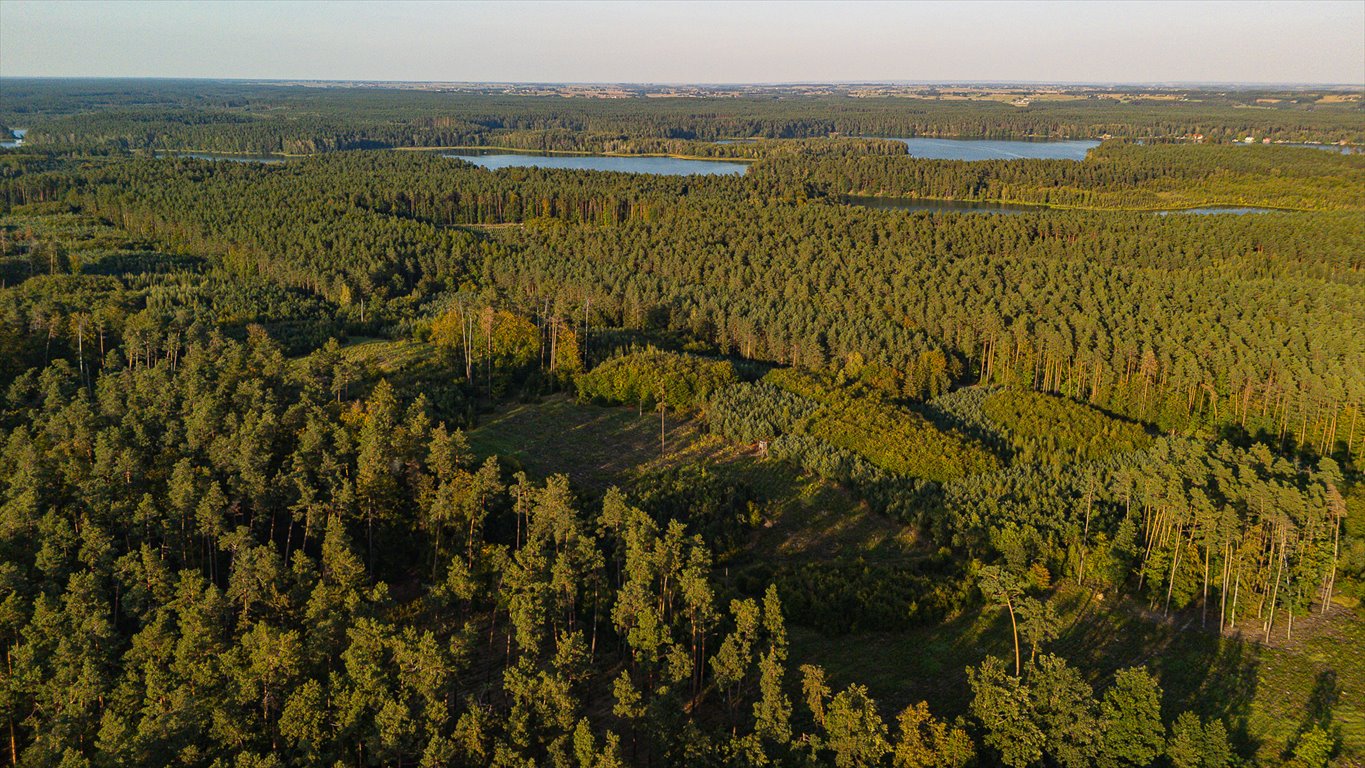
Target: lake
(17,141)
(660,166)
(991,149)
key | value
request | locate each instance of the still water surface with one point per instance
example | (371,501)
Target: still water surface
(664,166)
(991,149)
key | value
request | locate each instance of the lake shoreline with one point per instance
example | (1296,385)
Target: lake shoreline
(576,153)
(511,150)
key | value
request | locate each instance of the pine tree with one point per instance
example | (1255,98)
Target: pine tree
(1130,719)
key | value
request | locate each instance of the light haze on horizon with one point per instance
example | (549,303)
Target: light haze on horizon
(691,42)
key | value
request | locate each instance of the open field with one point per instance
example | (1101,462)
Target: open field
(804,517)
(596,446)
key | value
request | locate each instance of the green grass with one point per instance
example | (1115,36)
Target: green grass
(804,517)
(1332,658)
(808,518)
(389,357)
(596,446)
(1265,694)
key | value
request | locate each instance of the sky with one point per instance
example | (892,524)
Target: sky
(1249,41)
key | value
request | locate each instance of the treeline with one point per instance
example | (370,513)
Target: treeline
(435,190)
(1241,533)
(132,130)
(256,119)
(268,222)
(1097,307)
(78,290)
(1182,523)
(1187,323)
(739,149)
(1114,175)
(225,557)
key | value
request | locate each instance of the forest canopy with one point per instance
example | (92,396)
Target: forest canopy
(380,458)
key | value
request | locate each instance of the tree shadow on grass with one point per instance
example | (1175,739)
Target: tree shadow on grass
(1216,677)
(1199,670)
(1323,700)
(1318,711)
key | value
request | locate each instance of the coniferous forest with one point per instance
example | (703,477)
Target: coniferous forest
(366,456)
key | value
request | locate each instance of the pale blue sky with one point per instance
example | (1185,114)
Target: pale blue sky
(1245,41)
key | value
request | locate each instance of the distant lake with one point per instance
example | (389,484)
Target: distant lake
(231,158)
(990,149)
(17,141)
(661,166)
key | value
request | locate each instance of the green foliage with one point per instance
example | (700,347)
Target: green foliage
(1193,745)
(843,597)
(684,383)
(228,537)
(1050,714)
(821,420)
(719,506)
(854,731)
(1001,704)
(1314,749)
(1130,719)
(1116,175)
(757,411)
(1050,429)
(925,742)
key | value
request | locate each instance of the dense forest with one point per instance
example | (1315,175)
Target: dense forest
(113,115)
(378,458)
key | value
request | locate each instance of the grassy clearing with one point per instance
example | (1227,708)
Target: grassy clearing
(596,446)
(808,518)
(1265,694)
(804,517)
(389,357)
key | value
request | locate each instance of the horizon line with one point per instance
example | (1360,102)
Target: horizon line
(703,84)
